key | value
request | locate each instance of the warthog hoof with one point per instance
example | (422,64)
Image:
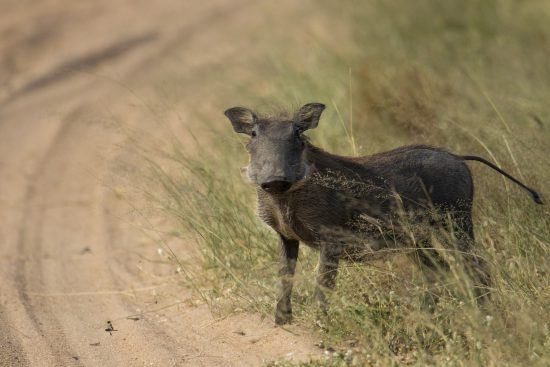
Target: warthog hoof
(283,317)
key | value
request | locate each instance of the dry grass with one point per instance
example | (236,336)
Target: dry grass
(472,76)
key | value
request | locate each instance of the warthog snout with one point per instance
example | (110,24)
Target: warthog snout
(276,185)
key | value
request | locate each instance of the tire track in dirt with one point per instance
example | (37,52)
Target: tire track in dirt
(163,45)
(45,208)
(91,60)
(65,279)
(28,273)
(11,350)
(29,244)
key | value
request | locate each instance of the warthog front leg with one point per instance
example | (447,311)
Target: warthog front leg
(289,255)
(326,275)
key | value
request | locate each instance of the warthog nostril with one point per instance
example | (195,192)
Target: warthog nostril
(276,186)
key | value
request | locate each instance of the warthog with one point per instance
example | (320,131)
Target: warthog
(353,208)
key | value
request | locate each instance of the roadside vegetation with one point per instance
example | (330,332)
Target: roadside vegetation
(471,76)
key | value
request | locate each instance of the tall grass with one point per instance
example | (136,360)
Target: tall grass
(472,76)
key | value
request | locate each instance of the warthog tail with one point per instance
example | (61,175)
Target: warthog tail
(535,195)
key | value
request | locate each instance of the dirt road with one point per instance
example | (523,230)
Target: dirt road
(69,263)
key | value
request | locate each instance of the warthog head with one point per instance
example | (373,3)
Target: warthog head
(276,146)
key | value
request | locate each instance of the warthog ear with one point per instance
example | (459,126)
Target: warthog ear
(308,116)
(242,119)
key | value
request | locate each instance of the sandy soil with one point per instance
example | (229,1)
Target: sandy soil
(69,260)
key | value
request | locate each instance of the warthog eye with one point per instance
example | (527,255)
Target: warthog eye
(253,133)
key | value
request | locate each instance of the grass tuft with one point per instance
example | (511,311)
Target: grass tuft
(471,76)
